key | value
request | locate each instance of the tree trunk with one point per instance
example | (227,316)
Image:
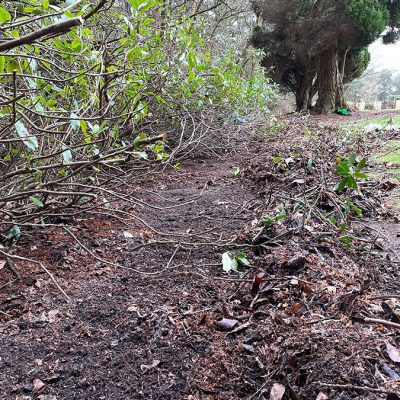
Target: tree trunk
(304,82)
(327,81)
(340,99)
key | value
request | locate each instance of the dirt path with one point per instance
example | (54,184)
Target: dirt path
(148,328)
(128,335)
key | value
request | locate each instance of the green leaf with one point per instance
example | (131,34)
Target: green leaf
(361,164)
(14,233)
(266,220)
(2,63)
(352,184)
(36,201)
(29,140)
(142,155)
(342,184)
(74,122)
(4,15)
(277,160)
(67,156)
(346,240)
(281,215)
(235,172)
(76,44)
(242,258)
(83,126)
(138,139)
(342,169)
(360,175)
(353,157)
(13,65)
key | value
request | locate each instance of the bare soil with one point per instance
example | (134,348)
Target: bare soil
(142,320)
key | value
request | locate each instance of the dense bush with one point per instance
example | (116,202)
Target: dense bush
(81,101)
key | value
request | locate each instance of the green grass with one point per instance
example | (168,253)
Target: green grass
(381,121)
(390,153)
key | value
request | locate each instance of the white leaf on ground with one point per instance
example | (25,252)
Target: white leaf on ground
(277,391)
(52,315)
(37,385)
(128,235)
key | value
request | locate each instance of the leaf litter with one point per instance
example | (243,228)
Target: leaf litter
(299,295)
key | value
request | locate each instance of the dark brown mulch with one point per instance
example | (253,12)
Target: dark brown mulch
(147,329)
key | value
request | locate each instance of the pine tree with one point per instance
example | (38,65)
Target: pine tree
(314,45)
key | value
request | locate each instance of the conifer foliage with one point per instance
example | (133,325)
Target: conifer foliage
(315,46)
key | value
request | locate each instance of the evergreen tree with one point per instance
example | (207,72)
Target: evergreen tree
(316,46)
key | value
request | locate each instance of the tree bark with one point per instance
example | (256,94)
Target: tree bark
(327,81)
(304,83)
(340,98)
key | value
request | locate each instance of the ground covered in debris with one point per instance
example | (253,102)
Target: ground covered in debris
(136,303)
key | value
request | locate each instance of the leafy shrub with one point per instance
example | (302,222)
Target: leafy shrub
(74,103)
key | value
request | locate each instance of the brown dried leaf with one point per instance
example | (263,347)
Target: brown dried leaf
(2,264)
(296,308)
(393,352)
(277,392)
(306,288)
(296,263)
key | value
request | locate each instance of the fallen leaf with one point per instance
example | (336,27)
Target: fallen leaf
(148,367)
(393,352)
(240,328)
(296,308)
(52,315)
(128,235)
(249,348)
(256,284)
(298,182)
(322,396)
(37,385)
(295,263)
(390,373)
(226,324)
(305,288)
(2,264)
(277,391)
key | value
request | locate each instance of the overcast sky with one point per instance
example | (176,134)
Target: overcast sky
(385,56)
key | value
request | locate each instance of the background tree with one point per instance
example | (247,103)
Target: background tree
(310,43)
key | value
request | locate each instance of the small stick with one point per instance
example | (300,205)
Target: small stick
(382,322)
(12,256)
(11,267)
(385,296)
(353,387)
